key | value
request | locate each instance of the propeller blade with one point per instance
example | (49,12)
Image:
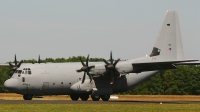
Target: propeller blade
(90,67)
(110,68)
(116,62)
(11,65)
(90,76)
(106,62)
(87,60)
(83,80)
(20,63)
(15,60)
(39,59)
(86,69)
(82,62)
(79,70)
(111,61)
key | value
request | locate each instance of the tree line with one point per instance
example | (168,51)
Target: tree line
(185,80)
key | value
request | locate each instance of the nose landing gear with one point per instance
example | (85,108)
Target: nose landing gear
(27,97)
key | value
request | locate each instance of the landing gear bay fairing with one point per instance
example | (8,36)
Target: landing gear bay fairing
(82,80)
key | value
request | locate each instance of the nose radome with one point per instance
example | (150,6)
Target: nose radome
(11,84)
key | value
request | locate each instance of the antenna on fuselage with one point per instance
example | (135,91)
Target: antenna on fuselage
(38,60)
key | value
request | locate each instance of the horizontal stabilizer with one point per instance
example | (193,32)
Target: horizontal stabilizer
(157,65)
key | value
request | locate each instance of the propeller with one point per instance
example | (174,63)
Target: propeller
(14,67)
(111,68)
(37,61)
(86,69)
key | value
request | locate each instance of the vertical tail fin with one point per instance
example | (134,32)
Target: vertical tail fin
(169,43)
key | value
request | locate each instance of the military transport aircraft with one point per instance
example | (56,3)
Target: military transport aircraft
(100,79)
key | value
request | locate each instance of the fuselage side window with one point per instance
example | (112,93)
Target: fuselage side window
(22,72)
(29,69)
(26,72)
(29,72)
(19,71)
(23,79)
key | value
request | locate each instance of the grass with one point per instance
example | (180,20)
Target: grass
(103,107)
(100,107)
(13,96)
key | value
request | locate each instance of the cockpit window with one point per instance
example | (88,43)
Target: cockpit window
(26,71)
(19,71)
(16,71)
(23,79)
(29,72)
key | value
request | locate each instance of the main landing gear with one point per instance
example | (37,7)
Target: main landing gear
(95,97)
(27,97)
(85,97)
(105,97)
(75,97)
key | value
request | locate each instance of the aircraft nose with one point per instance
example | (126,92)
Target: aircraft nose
(11,84)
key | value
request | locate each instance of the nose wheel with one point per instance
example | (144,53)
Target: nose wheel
(27,97)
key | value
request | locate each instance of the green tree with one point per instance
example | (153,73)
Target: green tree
(5,72)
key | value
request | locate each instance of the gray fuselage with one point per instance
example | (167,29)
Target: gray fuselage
(62,79)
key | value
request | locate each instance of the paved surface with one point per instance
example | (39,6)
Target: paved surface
(93,102)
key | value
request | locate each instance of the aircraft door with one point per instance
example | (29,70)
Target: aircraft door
(45,87)
(26,85)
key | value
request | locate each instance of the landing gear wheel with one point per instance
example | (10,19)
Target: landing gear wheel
(84,97)
(95,97)
(105,97)
(74,97)
(27,97)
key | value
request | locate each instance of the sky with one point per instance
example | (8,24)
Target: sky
(66,28)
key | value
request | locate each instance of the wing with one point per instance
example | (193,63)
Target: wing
(157,65)
(189,63)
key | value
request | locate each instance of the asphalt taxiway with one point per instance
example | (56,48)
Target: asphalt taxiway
(93,102)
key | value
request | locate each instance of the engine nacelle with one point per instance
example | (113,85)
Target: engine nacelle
(83,87)
(99,69)
(124,67)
